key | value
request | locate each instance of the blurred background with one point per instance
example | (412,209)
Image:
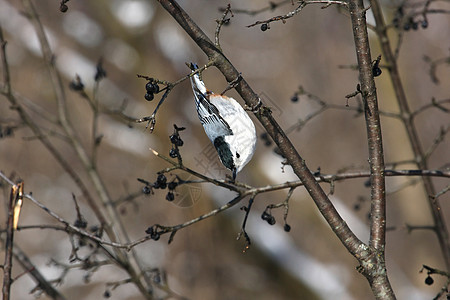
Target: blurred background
(205,261)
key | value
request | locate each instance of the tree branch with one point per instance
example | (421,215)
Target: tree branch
(264,115)
(408,122)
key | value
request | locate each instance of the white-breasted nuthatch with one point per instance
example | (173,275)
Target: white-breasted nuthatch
(226,124)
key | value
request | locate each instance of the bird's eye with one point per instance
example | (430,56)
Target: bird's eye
(237,155)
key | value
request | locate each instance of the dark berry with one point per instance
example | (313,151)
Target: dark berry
(406,27)
(101,73)
(172,185)
(63,8)
(174,139)
(395,22)
(424,24)
(415,25)
(376,72)
(80,223)
(94,228)
(271,220)
(155,236)
(107,294)
(149,87)
(265,216)
(170,196)
(287,227)
(429,280)
(146,190)
(294,98)
(268,143)
(152,88)
(173,153)
(264,27)
(161,182)
(76,85)
(149,96)
(161,178)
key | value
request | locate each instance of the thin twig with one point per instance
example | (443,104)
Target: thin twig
(297,10)
(222,22)
(16,190)
(272,6)
(151,120)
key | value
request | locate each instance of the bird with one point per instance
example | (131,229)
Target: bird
(226,124)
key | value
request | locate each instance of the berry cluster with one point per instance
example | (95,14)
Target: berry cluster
(63,7)
(161,183)
(267,216)
(153,232)
(151,88)
(414,25)
(176,141)
(7,131)
(410,23)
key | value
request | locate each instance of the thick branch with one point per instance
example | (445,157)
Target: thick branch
(374,269)
(373,126)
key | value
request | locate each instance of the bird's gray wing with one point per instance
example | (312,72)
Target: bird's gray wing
(213,123)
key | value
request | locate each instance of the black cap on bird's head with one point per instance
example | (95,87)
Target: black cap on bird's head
(193,66)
